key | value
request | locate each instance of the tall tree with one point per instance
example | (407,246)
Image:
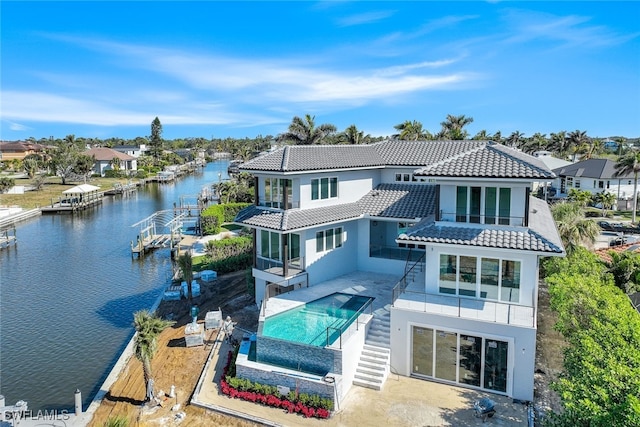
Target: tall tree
(84,166)
(578,141)
(515,139)
(606,200)
(64,158)
(155,140)
(305,132)
(145,345)
(630,164)
(574,228)
(352,135)
(411,131)
(185,262)
(559,143)
(453,127)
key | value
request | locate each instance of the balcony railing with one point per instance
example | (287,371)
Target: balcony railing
(335,335)
(295,204)
(517,221)
(394,252)
(406,297)
(295,265)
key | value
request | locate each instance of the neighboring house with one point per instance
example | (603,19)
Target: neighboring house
(552,163)
(18,150)
(452,221)
(104,160)
(595,176)
(132,150)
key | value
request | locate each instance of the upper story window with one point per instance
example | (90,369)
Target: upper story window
(496,201)
(569,181)
(274,191)
(328,239)
(488,278)
(324,188)
(405,177)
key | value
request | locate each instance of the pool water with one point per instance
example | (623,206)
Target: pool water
(308,323)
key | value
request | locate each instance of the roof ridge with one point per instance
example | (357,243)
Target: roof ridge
(285,157)
(456,156)
(494,146)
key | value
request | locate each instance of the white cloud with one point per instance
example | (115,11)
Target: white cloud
(364,18)
(18,126)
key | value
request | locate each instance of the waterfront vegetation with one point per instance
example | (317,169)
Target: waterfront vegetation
(601,376)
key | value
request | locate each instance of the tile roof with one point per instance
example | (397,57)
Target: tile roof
(295,219)
(300,158)
(422,153)
(387,201)
(541,236)
(591,168)
(400,201)
(107,154)
(489,161)
(435,158)
(520,239)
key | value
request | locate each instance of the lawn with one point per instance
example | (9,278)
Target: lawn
(50,191)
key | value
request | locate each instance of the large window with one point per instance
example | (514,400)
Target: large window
(460,358)
(275,190)
(328,239)
(489,278)
(270,243)
(470,202)
(324,188)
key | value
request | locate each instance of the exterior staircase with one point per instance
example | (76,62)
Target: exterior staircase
(373,367)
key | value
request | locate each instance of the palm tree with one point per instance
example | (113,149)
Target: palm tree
(536,143)
(411,131)
(578,141)
(515,139)
(574,228)
(115,163)
(145,345)
(627,164)
(593,147)
(607,200)
(559,143)
(481,136)
(452,127)
(581,197)
(352,135)
(185,263)
(305,132)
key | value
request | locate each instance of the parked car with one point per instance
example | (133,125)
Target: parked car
(617,241)
(610,226)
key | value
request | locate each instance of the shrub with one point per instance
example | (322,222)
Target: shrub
(212,218)
(268,395)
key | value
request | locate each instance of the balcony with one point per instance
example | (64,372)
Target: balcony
(515,221)
(395,252)
(275,267)
(411,296)
(295,204)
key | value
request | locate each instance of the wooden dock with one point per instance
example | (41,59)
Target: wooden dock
(75,199)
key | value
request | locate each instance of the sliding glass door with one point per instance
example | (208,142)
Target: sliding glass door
(460,358)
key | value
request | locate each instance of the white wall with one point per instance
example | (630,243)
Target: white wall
(528,263)
(352,185)
(522,345)
(333,263)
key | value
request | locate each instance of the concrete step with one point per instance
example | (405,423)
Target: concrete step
(372,384)
(371,372)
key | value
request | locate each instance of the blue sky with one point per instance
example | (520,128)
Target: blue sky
(218,69)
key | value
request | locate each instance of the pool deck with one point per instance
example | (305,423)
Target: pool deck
(402,402)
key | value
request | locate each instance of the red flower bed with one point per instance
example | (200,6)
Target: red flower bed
(269,400)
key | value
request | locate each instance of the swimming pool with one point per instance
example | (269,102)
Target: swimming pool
(308,323)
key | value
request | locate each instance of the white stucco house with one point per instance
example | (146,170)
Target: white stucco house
(595,176)
(105,160)
(454,226)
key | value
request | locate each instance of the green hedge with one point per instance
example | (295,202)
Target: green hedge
(212,218)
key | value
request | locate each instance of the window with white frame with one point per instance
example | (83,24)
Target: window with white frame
(405,177)
(274,191)
(329,239)
(324,188)
(488,278)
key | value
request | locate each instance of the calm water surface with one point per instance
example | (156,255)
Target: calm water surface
(68,290)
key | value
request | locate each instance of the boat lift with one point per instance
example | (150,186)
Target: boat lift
(161,230)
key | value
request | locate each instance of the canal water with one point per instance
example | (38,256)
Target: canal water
(69,288)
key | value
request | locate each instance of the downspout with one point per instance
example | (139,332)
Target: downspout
(526,207)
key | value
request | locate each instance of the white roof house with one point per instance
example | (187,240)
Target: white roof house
(444,235)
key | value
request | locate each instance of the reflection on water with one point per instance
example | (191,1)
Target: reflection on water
(68,290)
